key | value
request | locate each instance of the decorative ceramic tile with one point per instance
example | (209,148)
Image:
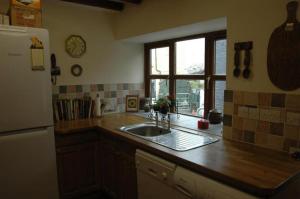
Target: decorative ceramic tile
(276,129)
(78,88)
(228,96)
(250,98)
(292,102)
(275,142)
(291,132)
(119,87)
(227,132)
(293,118)
(94,88)
(227,120)
(228,108)
(63,89)
(278,100)
(264,99)
(249,125)
(249,136)
(237,122)
(243,111)
(237,135)
(113,94)
(235,109)
(125,87)
(261,139)
(270,115)
(238,97)
(263,127)
(100,87)
(119,93)
(288,143)
(253,113)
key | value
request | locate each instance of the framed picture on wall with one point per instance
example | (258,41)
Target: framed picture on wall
(132,103)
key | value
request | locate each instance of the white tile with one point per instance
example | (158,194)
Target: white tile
(293,118)
(270,115)
(254,113)
(243,111)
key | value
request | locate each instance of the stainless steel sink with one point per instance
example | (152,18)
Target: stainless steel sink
(146,130)
(175,139)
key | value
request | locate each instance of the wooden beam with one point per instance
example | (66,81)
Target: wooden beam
(133,1)
(113,5)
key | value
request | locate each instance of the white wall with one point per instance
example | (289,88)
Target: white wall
(106,60)
(247,20)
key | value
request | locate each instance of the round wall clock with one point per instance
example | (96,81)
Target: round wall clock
(75,46)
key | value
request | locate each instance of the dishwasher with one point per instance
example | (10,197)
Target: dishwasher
(155,178)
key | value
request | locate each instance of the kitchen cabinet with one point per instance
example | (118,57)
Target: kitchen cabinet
(95,162)
(118,172)
(77,166)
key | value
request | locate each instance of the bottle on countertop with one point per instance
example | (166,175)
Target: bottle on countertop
(98,107)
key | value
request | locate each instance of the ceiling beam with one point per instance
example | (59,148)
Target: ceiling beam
(101,3)
(133,1)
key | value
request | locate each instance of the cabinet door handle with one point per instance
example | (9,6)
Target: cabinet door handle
(152,172)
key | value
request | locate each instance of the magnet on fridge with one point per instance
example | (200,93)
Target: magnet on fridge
(37,54)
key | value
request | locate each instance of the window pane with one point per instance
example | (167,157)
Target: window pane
(219,95)
(190,57)
(160,61)
(190,97)
(159,89)
(220,57)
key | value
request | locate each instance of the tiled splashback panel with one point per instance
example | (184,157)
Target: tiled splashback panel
(114,95)
(265,119)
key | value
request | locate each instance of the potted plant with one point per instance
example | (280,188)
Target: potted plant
(163,105)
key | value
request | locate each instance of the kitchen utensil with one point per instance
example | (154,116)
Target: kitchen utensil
(284,52)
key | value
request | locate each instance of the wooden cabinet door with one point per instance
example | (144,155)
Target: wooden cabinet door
(127,179)
(77,169)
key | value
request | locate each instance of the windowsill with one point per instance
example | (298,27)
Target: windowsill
(190,122)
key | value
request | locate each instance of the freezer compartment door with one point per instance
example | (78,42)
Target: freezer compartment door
(28,165)
(25,93)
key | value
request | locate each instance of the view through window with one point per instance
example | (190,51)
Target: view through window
(192,69)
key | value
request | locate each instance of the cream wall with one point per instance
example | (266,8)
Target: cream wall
(106,60)
(247,20)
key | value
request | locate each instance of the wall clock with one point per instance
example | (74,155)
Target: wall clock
(75,46)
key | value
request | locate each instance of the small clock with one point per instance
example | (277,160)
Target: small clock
(75,46)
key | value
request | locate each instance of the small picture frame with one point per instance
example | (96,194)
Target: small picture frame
(132,103)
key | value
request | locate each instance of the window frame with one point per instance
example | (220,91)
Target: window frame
(210,39)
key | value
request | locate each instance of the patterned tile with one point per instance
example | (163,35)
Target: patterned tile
(293,118)
(270,115)
(238,122)
(227,132)
(63,89)
(263,127)
(228,96)
(278,100)
(249,136)
(79,88)
(292,102)
(227,120)
(228,108)
(55,90)
(275,142)
(264,99)
(261,139)
(249,125)
(100,87)
(119,87)
(276,129)
(253,113)
(291,132)
(238,97)
(288,143)
(94,88)
(71,89)
(237,135)
(243,111)
(251,98)
(235,109)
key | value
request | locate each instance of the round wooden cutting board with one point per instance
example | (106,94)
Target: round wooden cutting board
(284,52)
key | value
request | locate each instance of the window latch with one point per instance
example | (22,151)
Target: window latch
(208,82)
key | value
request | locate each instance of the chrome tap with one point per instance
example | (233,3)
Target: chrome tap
(169,121)
(156,118)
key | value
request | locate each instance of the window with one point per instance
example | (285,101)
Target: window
(193,69)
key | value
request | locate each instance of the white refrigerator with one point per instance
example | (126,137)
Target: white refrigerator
(27,148)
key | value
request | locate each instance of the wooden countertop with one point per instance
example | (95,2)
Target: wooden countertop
(255,170)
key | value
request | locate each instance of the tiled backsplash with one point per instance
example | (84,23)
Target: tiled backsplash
(266,119)
(114,95)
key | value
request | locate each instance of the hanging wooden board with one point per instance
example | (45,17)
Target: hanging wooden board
(284,52)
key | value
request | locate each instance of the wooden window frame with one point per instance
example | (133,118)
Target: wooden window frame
(210,39)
